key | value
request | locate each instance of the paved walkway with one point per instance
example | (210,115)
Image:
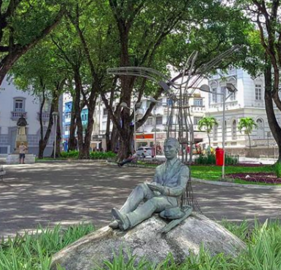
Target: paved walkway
(72,192)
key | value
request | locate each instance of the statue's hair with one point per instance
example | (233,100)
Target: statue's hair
(173,141)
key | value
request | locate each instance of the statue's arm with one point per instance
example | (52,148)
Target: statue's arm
(156,176)
(178,190)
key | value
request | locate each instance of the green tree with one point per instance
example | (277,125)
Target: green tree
(42,74)
(157,33)
(247,124)
(23,24)
(207,123)
(266,48)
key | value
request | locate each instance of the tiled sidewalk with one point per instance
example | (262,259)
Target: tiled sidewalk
(72,192)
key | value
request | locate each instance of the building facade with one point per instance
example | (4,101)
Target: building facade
(248,101)
(13,104)
(154,130)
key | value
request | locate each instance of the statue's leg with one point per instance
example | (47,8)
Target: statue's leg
(141,192)
(145,211)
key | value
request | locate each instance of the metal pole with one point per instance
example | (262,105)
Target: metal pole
(155,131)
(135,142)
(223,135)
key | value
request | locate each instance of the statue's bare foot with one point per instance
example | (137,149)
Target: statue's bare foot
(114,224)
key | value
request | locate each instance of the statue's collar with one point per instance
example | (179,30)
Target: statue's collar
(171,162)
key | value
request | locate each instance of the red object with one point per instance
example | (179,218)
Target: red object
(219,156)
(144,136)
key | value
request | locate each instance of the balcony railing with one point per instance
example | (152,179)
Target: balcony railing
(45,116)
(15,115)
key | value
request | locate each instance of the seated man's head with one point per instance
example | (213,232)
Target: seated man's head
(171,148)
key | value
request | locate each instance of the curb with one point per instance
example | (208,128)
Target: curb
(216,183)
(228,184)
(70,160)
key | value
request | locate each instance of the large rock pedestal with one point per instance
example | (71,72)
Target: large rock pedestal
(145,241)
(14,159)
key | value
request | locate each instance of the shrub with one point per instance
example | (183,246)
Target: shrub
(278,169)
(102,155)
(206,160)
(93,155)
(70,154)
(210,159)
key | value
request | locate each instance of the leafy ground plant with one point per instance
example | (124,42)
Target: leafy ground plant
(263,252)
(33,252)
(278,169)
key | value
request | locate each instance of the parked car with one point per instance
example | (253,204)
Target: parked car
(145,152)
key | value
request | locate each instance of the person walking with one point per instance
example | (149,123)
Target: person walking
(22,151)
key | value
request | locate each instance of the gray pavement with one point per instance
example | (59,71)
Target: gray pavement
(74,192)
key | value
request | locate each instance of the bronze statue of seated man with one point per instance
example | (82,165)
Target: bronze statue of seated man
(162,193)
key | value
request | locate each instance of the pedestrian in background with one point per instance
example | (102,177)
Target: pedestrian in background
(22,151)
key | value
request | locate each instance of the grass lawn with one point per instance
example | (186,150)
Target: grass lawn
(212,172)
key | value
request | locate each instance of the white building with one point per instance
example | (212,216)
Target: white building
(154,129)
(13,104)
(248,101)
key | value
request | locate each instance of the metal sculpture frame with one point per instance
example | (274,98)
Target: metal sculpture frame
(178,100)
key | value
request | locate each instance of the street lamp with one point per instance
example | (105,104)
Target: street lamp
(155,101)
(55,119)
(232,89)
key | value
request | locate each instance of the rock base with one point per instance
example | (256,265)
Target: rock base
(14,159)
(144,241)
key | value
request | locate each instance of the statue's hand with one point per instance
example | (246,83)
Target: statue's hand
(156,187)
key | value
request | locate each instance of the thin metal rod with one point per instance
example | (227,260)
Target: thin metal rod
(135,124)
(223,135)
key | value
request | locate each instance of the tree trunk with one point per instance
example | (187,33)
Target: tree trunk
(43,142)
(84,152)
(41,145)
(72,141)
(125,148)
(249,138)
(269,107)
(114,139)
(209,139)
(58,140)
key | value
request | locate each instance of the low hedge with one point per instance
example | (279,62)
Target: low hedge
(93,155)
(211,160)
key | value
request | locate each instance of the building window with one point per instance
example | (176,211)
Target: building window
(258,92)
(198,102)
(149,121)
(19,105)
(67,128)
(159,103)
(260,129)
(159,120)
(234,130)
(105,111)
(196,120)
(215,130)
(214,95)
(231,94)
